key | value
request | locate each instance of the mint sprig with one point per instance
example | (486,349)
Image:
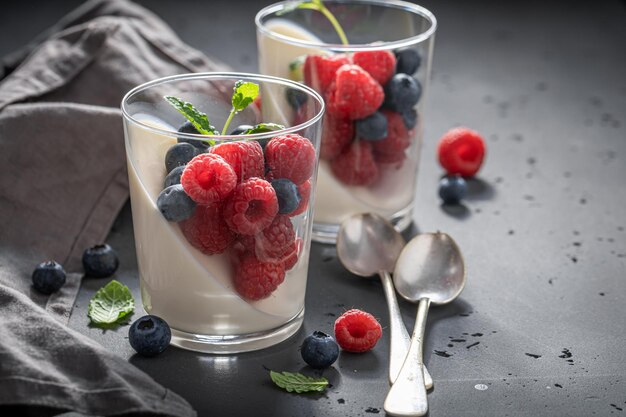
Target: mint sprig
(318,6)
(296,382)
(263,128)
(110,304)
(198,119)
(243,95)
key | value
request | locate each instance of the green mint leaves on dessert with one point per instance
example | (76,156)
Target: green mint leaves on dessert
(317,5)
(296,382)
(111,303)
(263,128)
(199,120)
(243,95)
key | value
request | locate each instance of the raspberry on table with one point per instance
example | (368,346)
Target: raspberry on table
(357,331)
(254,279)
(356,165)
(245,157)
(381,65)
(391,148)
(290,156)
(275,242)
(251,207)
(304,190)
(337,133)
(461,151)
(207,231)
(354,94)
(319,70)
(208,178)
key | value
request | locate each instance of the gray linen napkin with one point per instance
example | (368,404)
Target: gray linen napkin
(62,182)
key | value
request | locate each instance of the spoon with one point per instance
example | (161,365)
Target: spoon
(368,244)
(430,268)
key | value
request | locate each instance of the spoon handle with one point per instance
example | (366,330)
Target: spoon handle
(407,396)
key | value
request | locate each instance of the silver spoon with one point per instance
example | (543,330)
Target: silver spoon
(368,244)
(430,268)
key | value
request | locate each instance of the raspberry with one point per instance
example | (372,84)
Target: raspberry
(357,331)
(381,65)
(207,230)
(337,133)
(461,151)
(255,280)
(304,190)
(319,70)
(290,156)
(354,94)
(275,242)
(292,259)
(391,149)
(207,179)
(252,207)
(245,157)
(356,166)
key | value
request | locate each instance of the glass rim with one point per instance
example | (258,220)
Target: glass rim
(397,4)
(222,76)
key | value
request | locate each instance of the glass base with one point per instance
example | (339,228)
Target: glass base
(228,344)
(327,232)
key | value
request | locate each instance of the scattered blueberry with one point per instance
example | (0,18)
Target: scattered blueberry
(452,189)
(239,130)
(100,261)
(179,155)
(48,277)
(402,92)
(149,335)
(373,127)
(287,194)
(319,350)
(407,61)
(173,177)
(174,203)
(296,98)
(410,118)
(188,127)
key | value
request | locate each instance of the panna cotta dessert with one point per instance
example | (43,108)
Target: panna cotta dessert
(222,222)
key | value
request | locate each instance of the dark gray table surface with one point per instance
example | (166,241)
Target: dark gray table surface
(543,231)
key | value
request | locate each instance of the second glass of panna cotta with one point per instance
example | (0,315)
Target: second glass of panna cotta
(370,60)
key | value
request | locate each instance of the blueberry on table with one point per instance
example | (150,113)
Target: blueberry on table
(48,277)
(409,117)
(452,189)
(149,335)
(239,130)
(173,177)
(174,203)
(287,194)
(295,98)
(179,155)
(402,92)
(319,350)
(188,127)
(100,261)
(407,61)
(373,127)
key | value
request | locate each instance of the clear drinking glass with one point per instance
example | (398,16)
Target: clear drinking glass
(230,276)
(363,168)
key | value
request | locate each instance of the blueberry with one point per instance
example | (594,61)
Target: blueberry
(149,335)
(174,203)
(188,127)
(373,127)
(287,194)
(409,117)
(402,92)
(319,350)
(100,261)
(452,189)
(239,130)
(173,177)
(407,61)
(179,155)
(48,277)
(295,98)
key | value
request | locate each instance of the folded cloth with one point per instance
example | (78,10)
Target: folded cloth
(62,183)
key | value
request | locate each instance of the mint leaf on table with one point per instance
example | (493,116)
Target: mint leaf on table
(199,120)
(296,382)
(111,303)
(263,128)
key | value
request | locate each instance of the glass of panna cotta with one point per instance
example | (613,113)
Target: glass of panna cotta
(370,60)
(222,175)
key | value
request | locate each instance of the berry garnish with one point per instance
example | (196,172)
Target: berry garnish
(208,178)
(290,156)
(255,280)
(100,261)
(198,119)
(356,165)
(354,94)
(149,335)
(295,98)
(179,155)
(304,190)
(337,133)
(410,118)
(381,65)
(207,231)
(292,258)
(287,194)
(320,70)
(245,157)
(452,189)
(402,92)
(244,93)
(276,242)
(241,129)
(174,203)
(357,331)
(188,127)
(407,61)
(252,206)
(461,151)
(391,148)
(373,127)
(48,277)
(319,350)
(173,177)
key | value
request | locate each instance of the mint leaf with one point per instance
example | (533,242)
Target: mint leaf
(111,303)
(296,382)
(199,120)
(263,127)
(245,93)
(318,6)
